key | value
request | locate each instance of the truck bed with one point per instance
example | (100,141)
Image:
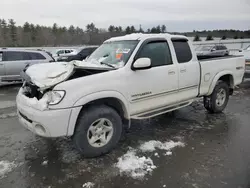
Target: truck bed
(211,68)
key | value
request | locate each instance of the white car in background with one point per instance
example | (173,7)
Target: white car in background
(212,51)
(64,53)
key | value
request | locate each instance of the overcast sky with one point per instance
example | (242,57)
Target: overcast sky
(177,15)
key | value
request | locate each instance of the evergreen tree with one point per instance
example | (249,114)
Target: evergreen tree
(132,29)
(128,30)
(111,28)
(158,29)
(197,38)
(12,32)
(224,37)
(209,37)
(163,29)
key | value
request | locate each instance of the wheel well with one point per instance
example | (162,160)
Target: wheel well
(115,104)
(228,78)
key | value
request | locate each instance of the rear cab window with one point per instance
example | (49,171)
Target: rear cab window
(182,50)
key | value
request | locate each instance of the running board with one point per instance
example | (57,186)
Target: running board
(160,111)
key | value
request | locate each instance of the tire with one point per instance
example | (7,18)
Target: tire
(87,123)
(212,104)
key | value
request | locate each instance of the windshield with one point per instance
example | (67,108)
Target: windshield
(115,53)
(204,48)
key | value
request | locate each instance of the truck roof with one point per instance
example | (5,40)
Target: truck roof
(142,36)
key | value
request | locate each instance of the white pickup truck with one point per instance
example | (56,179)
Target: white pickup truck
(135,76)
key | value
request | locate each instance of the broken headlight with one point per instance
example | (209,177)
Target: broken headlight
(56,97)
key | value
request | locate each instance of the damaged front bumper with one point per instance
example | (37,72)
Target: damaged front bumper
(46,123)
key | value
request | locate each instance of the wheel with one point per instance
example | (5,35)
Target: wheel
(98,130)
(217,101)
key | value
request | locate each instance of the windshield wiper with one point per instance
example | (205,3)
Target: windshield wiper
(102,63)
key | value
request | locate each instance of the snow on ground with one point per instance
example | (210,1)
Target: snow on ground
(7,104)
(168,153)
(44,163)
(153,144)
(6,167)
(135,165)
(88,185)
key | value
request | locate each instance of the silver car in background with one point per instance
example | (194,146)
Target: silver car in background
(12,62)
(212,51)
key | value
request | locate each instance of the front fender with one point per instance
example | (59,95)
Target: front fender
(216,78)
(92,97)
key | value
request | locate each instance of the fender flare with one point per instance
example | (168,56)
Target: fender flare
(216,78)
(77,107)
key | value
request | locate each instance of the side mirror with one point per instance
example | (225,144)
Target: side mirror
(141,64)
(212,50)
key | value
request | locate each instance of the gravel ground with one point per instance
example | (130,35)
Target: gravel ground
(215,151)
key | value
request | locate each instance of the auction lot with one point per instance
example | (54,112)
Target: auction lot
(215,151)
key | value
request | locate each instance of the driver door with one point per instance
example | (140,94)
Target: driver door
(154,88)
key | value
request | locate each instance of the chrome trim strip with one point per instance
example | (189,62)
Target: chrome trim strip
(163,93)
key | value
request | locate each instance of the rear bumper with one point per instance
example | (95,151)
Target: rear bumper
(47,123)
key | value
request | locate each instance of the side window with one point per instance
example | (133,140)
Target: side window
(60,52)
(67,51)
(182,50)
(16,56)
(36,56)
(1,56)
(158,52)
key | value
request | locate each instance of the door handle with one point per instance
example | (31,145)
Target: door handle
(183,70)
(1,63)
(171,72)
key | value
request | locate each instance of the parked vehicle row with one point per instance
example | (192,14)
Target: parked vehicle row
(135,76)
(13,61)
(80,55)
(212,51)
(64,53)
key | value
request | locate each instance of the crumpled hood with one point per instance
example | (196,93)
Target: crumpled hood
(47,75)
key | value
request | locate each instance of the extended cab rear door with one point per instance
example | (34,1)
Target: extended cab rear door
(188,69)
